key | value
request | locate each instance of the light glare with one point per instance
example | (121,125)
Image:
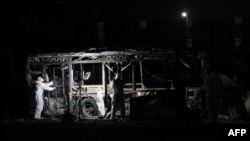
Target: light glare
(184,14)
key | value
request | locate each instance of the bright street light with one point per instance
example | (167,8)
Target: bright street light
(184,14)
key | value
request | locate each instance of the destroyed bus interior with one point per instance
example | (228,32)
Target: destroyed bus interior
(82,79)
(157,83)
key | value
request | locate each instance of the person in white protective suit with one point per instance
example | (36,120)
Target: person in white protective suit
(40,86)
(117,97)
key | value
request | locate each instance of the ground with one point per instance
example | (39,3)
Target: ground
(100,129)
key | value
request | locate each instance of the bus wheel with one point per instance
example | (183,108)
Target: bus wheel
(89,107)
(236,109)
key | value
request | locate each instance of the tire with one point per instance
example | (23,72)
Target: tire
(236,109)
(89,107)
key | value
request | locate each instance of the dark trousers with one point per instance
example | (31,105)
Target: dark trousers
(117,100)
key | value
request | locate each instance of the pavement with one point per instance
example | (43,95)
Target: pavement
(103,129)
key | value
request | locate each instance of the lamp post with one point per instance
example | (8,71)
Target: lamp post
(185,15)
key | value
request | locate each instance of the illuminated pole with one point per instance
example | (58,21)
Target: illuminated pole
(185,15)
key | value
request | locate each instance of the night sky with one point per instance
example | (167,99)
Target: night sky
(72,25)
(41,26)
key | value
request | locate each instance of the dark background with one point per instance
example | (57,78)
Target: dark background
(44,26)
(64,25)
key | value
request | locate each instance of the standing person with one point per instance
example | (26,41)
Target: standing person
(117,98)
(213,87)
(40,86)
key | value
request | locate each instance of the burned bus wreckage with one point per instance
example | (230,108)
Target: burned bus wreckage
(82,78)
(155,86)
